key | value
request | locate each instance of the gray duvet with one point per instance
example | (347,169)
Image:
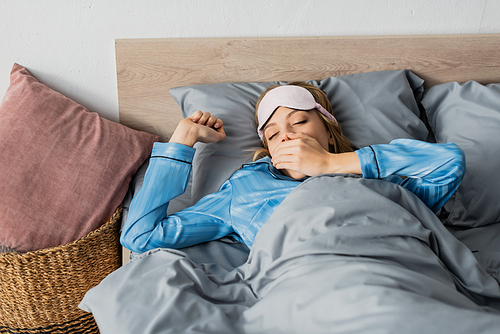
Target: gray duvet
(341,254)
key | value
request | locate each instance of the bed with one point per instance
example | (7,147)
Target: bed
(365,258)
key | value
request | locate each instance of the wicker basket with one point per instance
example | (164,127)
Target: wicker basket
(40,291)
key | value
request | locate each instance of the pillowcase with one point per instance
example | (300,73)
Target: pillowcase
(63,169)
(377,107)
(372,108)
(468,114)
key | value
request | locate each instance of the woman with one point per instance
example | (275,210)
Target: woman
(300,138)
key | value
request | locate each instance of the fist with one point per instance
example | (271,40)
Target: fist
(199,127)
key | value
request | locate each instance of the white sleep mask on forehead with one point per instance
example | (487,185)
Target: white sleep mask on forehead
(289,96)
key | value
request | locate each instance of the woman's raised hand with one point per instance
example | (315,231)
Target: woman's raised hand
(199,127)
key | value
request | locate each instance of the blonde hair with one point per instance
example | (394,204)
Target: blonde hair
(341,143)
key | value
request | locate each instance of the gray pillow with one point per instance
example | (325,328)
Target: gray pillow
(468,115)
(372,108)
(377,107)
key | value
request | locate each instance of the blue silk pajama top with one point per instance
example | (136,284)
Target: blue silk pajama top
(247,200)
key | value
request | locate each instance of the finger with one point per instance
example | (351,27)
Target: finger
(292,135)
(282,156)
(282,161)
(204,118)
(296,135)
(222,133)
(211,121)
(211,135)
(283,150)
(288,146)
(195,117)
(218,124)
(299,135)
(288,165)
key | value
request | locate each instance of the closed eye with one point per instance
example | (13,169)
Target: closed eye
(271,137)
(300,122)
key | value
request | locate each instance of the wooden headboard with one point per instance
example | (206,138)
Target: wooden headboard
(148,68)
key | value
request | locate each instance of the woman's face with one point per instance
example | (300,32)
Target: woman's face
(286,120)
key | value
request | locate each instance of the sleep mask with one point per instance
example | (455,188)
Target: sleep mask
(290,96)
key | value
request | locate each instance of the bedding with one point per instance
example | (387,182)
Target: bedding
(368,257)
(359,255)
(468,114)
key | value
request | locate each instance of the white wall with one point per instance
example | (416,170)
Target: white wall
(69,44)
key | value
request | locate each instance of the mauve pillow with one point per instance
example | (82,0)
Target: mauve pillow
(63,169)
(468,114)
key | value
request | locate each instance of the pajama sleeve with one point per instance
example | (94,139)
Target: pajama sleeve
(433,171)
(147,225)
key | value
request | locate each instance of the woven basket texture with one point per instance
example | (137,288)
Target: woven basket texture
(40,291)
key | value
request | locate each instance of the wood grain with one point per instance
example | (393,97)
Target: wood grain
(148,68)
